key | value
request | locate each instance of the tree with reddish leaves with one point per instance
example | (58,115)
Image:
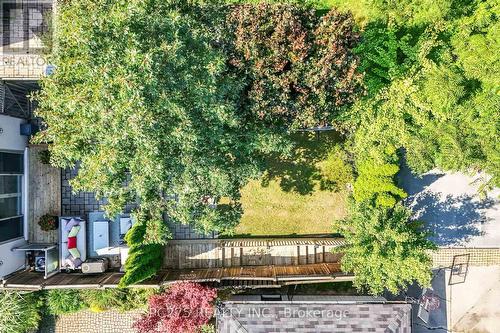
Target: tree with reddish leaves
(184,307)
(300,69)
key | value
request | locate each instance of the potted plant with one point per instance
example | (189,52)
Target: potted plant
(48,222)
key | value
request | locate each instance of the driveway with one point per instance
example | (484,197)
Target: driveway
(452,209)
(475,303)
(468,306)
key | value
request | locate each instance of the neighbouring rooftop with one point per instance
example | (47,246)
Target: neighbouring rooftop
(25,37)
(313,314)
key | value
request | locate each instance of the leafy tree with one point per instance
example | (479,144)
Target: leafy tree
(184,307)
(144,104)
(476,43)
(387,53)
(385,249)
(375,184)
(19,312)
(336,171)
(435,109)
(409,12)
(437,120)
(300,69)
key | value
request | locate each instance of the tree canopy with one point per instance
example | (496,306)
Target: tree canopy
(174,106)
(300,68)
(432,88)
(384,249)
(153,111)
(142,102)
(432,96)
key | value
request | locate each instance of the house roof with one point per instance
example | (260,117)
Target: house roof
(313,316)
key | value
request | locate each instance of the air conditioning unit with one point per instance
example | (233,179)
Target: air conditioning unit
(93,266)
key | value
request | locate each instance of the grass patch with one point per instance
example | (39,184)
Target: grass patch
(289,199)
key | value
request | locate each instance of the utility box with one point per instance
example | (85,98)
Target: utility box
(95,266)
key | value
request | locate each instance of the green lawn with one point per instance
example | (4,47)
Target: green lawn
(288,199)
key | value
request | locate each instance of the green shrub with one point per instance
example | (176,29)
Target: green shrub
(136,298)
(101,300)
(64,301)
(19,312)
(116,299)
(336,171)
(145,259)
(376,183)
(72,300)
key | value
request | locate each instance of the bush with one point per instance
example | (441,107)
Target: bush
(97,300)
(116,299)
(375,183)
(19,312)
(48,222)
(145,259)
(337,173)
(185,307)
(102,300)
(64,301)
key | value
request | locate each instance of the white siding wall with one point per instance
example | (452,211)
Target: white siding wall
(10,139)
(11,261)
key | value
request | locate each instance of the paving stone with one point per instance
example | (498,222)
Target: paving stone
(82,203)
(102,322)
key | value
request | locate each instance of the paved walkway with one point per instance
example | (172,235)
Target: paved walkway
(443,257)
(79,204)
(91,322)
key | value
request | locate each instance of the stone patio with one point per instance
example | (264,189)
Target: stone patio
(82,203)
(79,204)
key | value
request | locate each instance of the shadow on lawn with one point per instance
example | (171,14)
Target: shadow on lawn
(299,172)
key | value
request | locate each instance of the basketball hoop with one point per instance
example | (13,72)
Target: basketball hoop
(459,269)
(430,301)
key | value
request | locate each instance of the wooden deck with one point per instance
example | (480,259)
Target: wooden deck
(212,253)
(44,195)
(270,276)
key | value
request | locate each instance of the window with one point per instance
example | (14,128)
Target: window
(11,177)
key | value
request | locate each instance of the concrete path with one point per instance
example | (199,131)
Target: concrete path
(451,208)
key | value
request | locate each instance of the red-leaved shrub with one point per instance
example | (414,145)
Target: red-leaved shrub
(185,307)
